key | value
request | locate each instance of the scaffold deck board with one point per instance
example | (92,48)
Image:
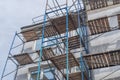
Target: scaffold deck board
(23,59)
(102,60)
(73,42)
(60,24)
(47,54)
(100,25)
(60,61)
(34,32)
(96,4)
(53,27)
(94,61)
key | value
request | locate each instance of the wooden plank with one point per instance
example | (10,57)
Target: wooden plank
(93,65)
(111,58)
(116,2)
(97,4)
(114,59)
(34,32)
(60,61)
(95,27)
(90,63)
(96,62)
(87,60)
(91,27)
(23,59)
(73,42)
(118,16)
(106,59)
(101,22)
(99,60)
(118,57)
(47,54)
(60,24)
(103,60)
(59,70)
(30,35)
(100,25)
(106,23)
(90,3)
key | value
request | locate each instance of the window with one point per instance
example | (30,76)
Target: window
(49,41)
(33,75)
(47,74)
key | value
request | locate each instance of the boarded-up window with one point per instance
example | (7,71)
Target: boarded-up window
(95,4)
(98,25)
(116,1)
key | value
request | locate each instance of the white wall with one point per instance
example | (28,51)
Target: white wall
(103,12)
(108,41)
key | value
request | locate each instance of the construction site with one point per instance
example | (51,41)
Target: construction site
(72,40)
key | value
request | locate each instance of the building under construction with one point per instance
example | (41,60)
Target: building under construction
(73,40)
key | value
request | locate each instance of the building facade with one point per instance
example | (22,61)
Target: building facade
(80,42)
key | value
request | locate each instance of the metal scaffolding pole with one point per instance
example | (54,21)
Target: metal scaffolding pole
(41,46)
(8,56)
(67,58)
(83,38)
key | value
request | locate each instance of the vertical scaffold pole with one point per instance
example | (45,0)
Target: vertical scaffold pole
(81,33)
(67,57)
(86,41)
(41,46)
(8,55)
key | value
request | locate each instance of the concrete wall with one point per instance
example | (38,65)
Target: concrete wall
(107,42)
(104,12)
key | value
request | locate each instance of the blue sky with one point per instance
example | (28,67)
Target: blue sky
(13,15)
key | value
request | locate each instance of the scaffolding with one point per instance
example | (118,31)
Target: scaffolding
(62,33)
